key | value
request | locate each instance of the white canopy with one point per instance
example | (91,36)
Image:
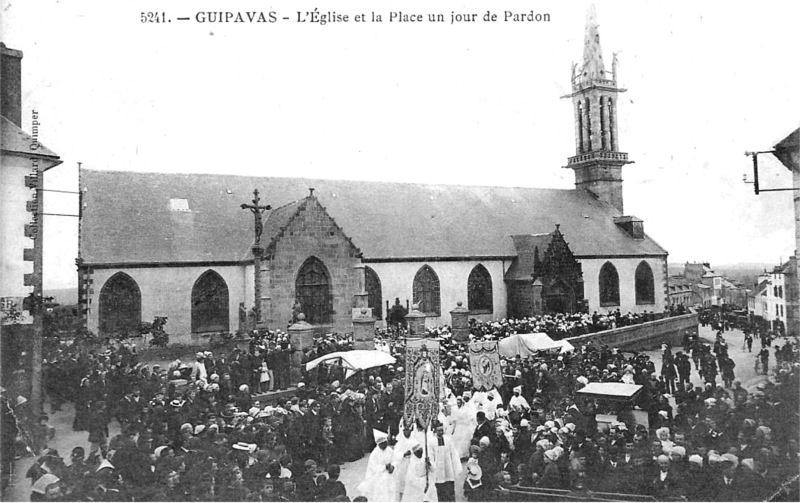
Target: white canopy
(526,344)
(353,361)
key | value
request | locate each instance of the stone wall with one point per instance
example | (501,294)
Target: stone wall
(311,233)
(645,336)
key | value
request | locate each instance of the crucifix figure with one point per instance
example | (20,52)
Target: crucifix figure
(257,210)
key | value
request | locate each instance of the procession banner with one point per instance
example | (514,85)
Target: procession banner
(423,381)
(484,360)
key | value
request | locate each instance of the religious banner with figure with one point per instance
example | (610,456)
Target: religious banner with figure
(484,361)
(423,381)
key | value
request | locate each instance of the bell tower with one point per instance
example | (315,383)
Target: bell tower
(597,161)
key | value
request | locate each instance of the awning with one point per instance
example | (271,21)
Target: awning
(353,361)
(526,344)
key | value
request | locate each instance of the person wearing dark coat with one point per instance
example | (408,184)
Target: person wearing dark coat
(332,489)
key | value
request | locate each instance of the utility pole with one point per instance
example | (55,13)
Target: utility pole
(258,251)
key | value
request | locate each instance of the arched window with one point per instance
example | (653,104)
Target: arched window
(210,312)
(609,285)
(374,294)
(120,306)
(580,127)
(426,291)
(645,286)
(313,290)
(479,290)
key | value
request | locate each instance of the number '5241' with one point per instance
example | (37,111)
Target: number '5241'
(154,17)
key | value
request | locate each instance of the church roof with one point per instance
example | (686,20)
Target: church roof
(522,267)
(129,218)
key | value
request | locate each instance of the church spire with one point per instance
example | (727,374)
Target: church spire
(593,67)
(598,160)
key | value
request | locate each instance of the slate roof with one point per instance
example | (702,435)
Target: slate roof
(16,141)
(127,218)
(526,244)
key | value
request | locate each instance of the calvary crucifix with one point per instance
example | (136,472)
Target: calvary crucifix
(258,251)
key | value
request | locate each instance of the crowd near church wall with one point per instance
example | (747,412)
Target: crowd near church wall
(397,282)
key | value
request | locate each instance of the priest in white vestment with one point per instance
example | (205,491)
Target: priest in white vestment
(379,484)
(447,466)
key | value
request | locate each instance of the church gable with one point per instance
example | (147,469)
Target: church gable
(309,259)
(544,277)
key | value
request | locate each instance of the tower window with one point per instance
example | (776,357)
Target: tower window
(612,139)
(603,145)
(588,126)
(580,128)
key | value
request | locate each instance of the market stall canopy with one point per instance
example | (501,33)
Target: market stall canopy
(610,391)
(353,361)
(527,344)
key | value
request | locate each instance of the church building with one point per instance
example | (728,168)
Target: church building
(183,246)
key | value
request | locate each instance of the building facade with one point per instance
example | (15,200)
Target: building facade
(181,246)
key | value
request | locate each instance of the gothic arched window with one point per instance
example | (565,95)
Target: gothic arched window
(426,291)
(479,290)
(609,285)
(313,290)
(645,286)
(120,306)
(210,312)
(374,295)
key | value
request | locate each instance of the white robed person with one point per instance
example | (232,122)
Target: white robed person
(421,476)
(517,402)
(402,456)
(379,483)
(464,423)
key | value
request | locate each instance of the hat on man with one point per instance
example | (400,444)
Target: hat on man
(524,423)
(696,459)
(518,389)
(380,437)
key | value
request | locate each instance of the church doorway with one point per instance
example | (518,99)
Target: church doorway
(210,304)
(558,298)
(313,290)
(120,306)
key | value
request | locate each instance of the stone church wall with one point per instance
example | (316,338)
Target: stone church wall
(311,233)
(626,268)
(397,281)
(167,291)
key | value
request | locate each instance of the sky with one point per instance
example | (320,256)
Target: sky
(475,103)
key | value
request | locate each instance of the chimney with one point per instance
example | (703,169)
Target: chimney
(11,84)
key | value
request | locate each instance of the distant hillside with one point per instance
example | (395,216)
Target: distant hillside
(746,272)
(63,296)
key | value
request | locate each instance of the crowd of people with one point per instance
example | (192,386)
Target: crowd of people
(200,431)
(561,326)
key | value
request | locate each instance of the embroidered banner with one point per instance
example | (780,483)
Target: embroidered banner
(423,381)
(484,360)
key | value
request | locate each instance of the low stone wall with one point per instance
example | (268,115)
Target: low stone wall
(645,336)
